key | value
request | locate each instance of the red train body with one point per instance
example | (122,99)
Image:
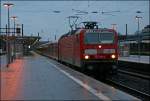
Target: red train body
(95,48)
(84,48)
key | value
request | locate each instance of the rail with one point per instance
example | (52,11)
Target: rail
(135,74)
(134,91)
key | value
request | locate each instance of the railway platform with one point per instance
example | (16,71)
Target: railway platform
(136,59)
(38,78)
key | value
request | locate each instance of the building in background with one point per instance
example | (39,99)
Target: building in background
(129,45)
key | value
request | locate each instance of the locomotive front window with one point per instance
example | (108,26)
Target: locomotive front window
(91,38)
(106,37)
(96,38)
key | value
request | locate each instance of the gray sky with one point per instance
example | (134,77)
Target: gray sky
(38,16)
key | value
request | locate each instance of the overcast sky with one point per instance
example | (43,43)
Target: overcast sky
(38,16)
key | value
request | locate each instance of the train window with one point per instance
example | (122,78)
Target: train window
(91,38)
(96,38)
(106,37)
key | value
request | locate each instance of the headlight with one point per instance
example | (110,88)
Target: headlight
(109,51)
(86,57)
(113,56)
(90,51)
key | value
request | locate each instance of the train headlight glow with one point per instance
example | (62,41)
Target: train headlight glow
(99,46)
(86,57)
(29,46)
(113,56)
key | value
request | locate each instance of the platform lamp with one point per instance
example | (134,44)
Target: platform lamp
(8,6)
(139,46)
(14,18)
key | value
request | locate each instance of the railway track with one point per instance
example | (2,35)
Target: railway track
(147,77)
(126,80)
(142,95)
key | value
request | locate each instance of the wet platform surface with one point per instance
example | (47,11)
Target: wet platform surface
(39,78)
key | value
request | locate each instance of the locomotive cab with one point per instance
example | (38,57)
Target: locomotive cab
(99,48)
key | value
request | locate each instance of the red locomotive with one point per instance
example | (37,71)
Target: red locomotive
(89,47)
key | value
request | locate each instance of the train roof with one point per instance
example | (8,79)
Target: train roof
(69,33)
(87,25)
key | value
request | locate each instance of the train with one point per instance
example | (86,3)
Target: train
(88,47)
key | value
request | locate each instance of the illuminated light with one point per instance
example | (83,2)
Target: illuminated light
(99,46)
(113,56)
(5,5)
(86,57)
(8,5)
(29,46)
(13,17)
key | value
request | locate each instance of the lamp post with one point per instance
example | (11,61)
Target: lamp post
(14,18)
(8,5)
(138,19)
